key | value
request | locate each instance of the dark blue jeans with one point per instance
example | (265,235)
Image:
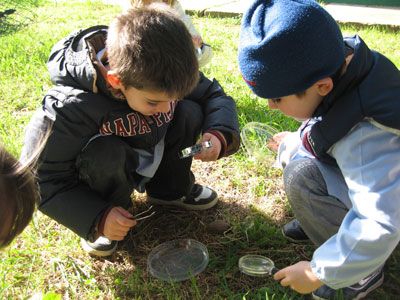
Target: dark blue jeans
(108,163)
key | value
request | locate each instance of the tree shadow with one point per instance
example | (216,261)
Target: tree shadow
(246,231)
(252,226)
(15,15)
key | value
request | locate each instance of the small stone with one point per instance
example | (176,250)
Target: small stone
(218,226)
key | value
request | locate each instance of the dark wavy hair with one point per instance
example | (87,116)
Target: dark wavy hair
(150,48)
(18,197)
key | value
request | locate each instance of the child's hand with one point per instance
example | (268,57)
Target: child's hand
(212,153)
(197,41)
(276,140)
(299,277)
(118,222)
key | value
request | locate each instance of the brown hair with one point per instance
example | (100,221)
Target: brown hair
(148,2)
(150,48)
(18,197)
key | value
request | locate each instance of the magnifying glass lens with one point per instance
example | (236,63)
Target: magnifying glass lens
(256,265)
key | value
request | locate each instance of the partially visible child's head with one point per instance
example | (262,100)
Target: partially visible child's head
(287,46)
(147,2)
(18,197)
(150,49)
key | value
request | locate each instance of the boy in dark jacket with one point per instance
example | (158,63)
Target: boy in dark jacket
(342,177)
(117,125)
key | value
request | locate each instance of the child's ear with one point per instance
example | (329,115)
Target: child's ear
(324,86)
(114,80)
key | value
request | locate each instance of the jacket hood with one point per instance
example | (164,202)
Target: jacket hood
(72,61)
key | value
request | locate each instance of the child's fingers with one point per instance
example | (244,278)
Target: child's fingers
(125,222)
(118,232)
(208,154)
(124,212)
(115,234)
(279,275)
(116,237)
(285,281)
(197,41)
(274,142)
(212,153)
(124,218)
(117,227)
(272,145)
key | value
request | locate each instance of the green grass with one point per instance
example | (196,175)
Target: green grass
(47,260)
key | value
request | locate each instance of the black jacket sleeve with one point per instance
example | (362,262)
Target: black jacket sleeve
(219,110)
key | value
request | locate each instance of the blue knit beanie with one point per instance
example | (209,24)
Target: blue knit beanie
(288,45)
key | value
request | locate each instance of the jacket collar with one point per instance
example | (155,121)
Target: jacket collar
(357,70)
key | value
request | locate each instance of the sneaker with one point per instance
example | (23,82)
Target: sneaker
(100,247)
(200,198)
(357,291)
(294,233)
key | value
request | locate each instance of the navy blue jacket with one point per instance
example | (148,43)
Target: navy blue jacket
(370,88)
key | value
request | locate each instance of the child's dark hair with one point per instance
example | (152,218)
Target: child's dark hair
(148,2)
(18,197)
(150,48)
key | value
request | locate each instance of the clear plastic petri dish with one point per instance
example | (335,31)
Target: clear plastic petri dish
(255,137)
(177,260)
(257,265)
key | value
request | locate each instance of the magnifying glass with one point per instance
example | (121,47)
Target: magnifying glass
(257,265)
(193,150)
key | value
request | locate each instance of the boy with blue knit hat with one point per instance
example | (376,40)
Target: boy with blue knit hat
(342,177)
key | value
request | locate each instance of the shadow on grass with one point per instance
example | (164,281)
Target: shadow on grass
(15,15)
(249,231)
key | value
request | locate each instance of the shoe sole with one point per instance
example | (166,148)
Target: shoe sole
(361,295)
(373,287)
(95,252)
(180,204)
(301,242)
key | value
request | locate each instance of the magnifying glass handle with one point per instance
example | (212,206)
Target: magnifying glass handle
(274,270)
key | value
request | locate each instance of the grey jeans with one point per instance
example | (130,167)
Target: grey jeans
(319,213)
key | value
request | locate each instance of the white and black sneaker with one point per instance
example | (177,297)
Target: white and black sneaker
(355,292)
(200,198)
(100,247)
